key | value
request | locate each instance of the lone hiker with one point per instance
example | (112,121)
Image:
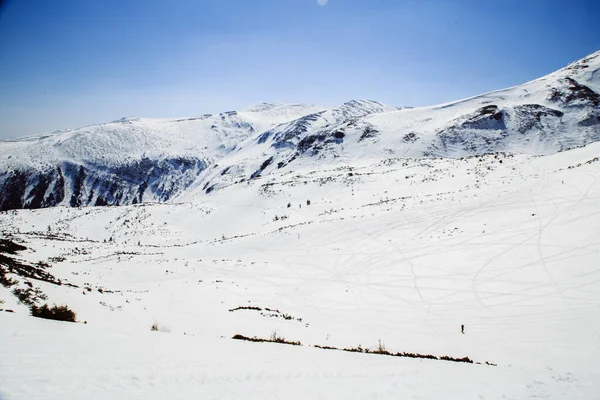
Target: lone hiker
(462,329)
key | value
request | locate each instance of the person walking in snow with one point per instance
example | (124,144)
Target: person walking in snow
(462,329)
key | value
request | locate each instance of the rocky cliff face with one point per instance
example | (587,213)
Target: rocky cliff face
(78,185)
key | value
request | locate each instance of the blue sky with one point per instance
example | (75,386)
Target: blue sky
(68,63)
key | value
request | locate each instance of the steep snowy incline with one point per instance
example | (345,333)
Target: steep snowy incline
(548,115)
(551,114)
(126,161)
(282,144)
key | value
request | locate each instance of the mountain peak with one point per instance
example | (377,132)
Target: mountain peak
(270,107)
(360,102)
(125,120)
(588,64)
(364,107)
(264,106)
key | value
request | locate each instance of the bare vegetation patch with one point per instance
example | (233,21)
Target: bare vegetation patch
(274,339)
(268,312)
(10,265)
(58,313)
(381,350)
(29,296)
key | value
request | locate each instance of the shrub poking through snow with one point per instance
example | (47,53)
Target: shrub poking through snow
(158,328)
(381,350)
(58,313)
(274,339)
(464,359)
(245,308)
(5,280)
(269,312)
(29,296)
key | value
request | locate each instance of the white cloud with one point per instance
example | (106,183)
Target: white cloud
(322,2)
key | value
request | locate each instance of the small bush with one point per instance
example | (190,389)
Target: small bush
(157,328)
(358,349)
(464,359)
(5,280)
(245,308)
(58,313)
(274,336)
(381,349)
(29,296)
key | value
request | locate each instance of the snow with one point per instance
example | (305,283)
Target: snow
(132,138)
(74,361)
(374,236)
(401,251)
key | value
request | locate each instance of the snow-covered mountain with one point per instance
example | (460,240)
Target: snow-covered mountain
(355,268)
(557,112)
(126,161)
(551,114)
(282,144)
(138,160)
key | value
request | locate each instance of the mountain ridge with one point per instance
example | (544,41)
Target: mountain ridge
(134,160)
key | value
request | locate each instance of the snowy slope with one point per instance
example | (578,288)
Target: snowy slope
(282,144)
(132,138)
(401,251)
(74,362)
(126,161)
(551,114)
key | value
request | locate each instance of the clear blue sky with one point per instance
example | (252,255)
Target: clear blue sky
(68,63)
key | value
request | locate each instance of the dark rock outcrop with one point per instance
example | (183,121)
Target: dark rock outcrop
(97,185)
